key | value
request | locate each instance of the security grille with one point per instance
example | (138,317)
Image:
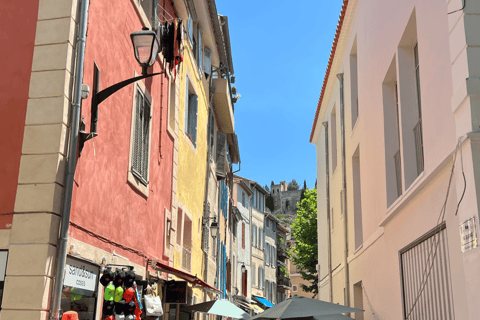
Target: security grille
(417,131)
(141,138)
(426,282)
(187,258)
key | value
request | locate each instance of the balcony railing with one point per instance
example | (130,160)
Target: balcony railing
(398,171)
(283,281)
(417,131)
(282,251)
(187,259)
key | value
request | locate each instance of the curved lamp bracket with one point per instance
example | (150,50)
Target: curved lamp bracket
(99,97)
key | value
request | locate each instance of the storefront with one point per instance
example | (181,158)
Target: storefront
(80,287)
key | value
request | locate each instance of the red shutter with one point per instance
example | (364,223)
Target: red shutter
(243,235)
(244,283)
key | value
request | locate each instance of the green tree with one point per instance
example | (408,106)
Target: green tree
(305,249)
(293,185)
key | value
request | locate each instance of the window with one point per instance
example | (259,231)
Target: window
(267,254)
(417,130)
(259,277)
(243,199)
(357,199)
(410,103)
(234,229)
(333,137)
(253,275)
(294,288)
(150,7)
(187,244)
(194,32)
(211,135)
(179,226)
(392,131)
(354,82)
(141,137)
(243,235)
(191,106)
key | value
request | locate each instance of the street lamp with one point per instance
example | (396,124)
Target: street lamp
(243,268)
(145,49)
(213,227)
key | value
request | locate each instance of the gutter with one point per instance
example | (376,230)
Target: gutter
(344,189)
(72,160)
(327,177)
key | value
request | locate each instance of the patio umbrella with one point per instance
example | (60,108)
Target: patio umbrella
(220,307)
(305,308)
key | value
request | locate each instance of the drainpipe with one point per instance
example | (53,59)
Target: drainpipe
(344,189)
(327,177)
(72,158)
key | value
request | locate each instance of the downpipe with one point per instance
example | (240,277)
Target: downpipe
(344,188)
(72,158)
(327,191)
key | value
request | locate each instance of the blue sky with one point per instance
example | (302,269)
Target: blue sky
(280,53)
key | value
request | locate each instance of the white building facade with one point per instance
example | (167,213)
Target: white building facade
(397,128)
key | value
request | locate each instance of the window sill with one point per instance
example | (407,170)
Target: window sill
(135,183)
(190,142)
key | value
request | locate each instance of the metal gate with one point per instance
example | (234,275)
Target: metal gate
(426,281)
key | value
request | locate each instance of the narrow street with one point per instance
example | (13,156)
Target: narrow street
(215,160)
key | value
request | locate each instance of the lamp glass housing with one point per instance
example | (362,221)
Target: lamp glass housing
(214,229)
(145,47)
(243,268)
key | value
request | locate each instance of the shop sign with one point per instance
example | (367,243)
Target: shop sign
(80,277)
(468,235)
(176,292)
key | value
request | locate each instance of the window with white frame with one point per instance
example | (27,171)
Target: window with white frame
(191,109)
(140,150)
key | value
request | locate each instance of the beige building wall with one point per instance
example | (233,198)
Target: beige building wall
(378,36)
(32,241)
(258,287)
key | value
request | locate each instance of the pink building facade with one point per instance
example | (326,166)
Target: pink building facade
(396,130)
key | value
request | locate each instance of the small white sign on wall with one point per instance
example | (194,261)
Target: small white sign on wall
(468,235)
(80,276)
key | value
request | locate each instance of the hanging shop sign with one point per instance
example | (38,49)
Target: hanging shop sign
(468,235)
(80,277)
(176,292)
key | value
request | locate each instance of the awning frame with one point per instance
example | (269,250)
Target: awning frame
(185,276)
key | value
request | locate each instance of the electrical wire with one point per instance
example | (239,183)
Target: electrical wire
(428,267)
(464,2)
(369,304)
(464,182)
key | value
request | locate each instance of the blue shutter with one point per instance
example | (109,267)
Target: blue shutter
(190,31)
(200,50)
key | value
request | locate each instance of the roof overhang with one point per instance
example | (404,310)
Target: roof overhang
(222,104)
(335,56)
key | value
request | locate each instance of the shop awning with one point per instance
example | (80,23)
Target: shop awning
(256,308)
(185,276)
(263,301)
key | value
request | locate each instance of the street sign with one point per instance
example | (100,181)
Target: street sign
(468,235)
